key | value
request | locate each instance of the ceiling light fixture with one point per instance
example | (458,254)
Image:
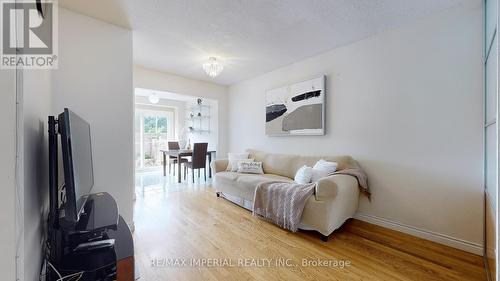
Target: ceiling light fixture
(153,98)
(212,67)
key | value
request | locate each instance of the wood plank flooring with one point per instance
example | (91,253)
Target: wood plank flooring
(187,223)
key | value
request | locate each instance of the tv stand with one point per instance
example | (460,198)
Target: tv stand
(100,245)
(100,213)
(95,245)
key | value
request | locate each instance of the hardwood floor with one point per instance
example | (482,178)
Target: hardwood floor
(185,221)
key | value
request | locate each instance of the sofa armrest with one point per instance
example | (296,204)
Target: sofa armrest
(218,165)
(328,187)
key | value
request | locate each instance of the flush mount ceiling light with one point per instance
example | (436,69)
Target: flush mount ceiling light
(153,98)
(212,67)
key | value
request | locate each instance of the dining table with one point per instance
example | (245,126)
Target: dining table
(183,153)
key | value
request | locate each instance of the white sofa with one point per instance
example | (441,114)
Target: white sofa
(334,201)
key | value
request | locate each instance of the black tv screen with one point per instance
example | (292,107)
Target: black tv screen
(77,161)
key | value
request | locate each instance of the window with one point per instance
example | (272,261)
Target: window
(155,125)
(153,130)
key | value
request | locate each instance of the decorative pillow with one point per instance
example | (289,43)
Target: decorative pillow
(244,160)
(303,175)
(250,167)
(233,158)
(318,174)
(329,167)
(323,169)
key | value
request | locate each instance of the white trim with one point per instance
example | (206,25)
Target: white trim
(490,252)
(19,178)
(488,196)
(461,244)
(131,225)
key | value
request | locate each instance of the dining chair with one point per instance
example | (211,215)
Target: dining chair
(172,160)
(198,160)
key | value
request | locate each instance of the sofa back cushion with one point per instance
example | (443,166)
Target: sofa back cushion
(287,164)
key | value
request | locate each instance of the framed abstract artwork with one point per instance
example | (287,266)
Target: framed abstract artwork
(296,109)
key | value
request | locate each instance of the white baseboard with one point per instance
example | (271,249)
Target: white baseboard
(467,246)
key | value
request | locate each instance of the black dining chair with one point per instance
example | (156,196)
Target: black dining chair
(198,160)
(172,160)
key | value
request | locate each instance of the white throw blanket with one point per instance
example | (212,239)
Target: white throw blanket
(282,202)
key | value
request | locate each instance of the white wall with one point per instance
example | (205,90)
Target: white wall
(37,94)
(94,80)
(407,104)
(7,174)
(155,80)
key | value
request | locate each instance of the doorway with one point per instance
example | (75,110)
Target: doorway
(153,130)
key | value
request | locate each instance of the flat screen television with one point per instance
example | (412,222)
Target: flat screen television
(77,161)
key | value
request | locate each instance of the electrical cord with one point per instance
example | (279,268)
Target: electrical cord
(79,277)
(80,274)
(61,193)
(48,249)
(55,270)
(61,278)
(18,212)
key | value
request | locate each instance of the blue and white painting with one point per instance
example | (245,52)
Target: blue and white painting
(296,109)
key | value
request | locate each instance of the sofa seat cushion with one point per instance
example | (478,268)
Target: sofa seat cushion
(227,176)
(251,181)
(243,185)
(278,177)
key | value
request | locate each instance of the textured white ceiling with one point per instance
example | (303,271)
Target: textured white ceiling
(250,37)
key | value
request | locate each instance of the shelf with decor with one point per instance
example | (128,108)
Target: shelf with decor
(198,117)
(197,107)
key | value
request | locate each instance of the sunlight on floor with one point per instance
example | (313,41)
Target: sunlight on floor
(153,182)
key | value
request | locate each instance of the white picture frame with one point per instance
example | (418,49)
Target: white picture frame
(297,109)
